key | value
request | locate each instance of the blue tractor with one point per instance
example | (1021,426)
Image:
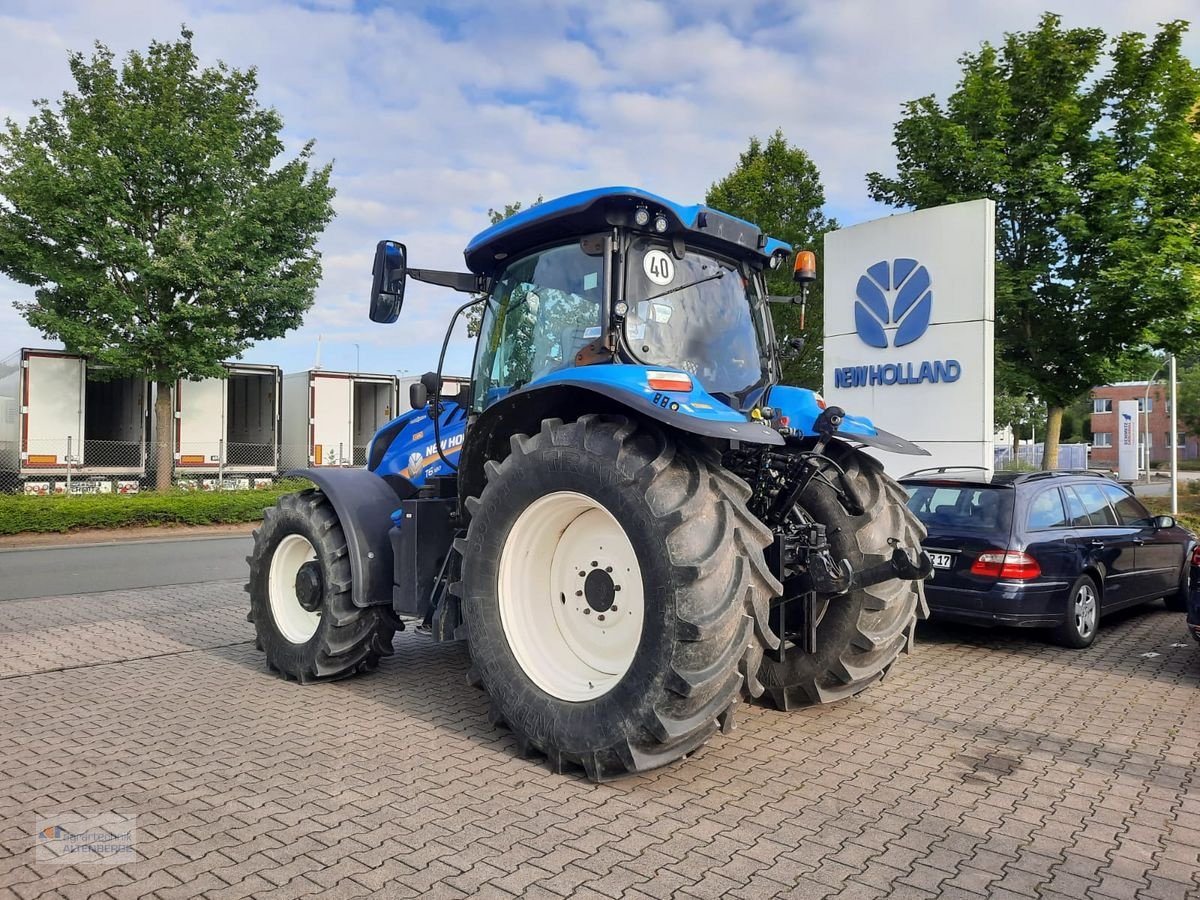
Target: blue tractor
(625,515)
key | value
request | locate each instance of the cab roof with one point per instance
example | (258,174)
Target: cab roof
(598,209)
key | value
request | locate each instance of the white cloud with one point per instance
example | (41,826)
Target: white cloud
(435,112)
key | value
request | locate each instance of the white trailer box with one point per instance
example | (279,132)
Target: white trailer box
(451,384)
(329,418)
(229,424)
(54,414)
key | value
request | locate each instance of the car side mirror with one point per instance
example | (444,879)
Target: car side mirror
(418,397)
(1161,522)
(387,281)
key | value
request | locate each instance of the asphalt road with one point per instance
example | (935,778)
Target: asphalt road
(125,565)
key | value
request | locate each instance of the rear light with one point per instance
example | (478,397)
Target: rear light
(1006,564)
(668,381)
(1196,556)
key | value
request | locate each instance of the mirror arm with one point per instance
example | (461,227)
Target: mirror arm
(466,282)
(437,417)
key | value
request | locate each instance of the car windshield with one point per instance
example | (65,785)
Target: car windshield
(952,506)
(694,313)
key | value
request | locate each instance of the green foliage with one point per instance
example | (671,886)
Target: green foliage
(1189,400)
(1093,160)
(20,514)
(778,188)
(153,215)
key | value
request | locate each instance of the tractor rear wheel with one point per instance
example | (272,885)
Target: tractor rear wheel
(300,600)
(611,578)
(862,633)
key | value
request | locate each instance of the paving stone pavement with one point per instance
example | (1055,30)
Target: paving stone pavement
(988,765)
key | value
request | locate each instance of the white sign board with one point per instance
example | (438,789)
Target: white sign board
(909,322)
(1127,440)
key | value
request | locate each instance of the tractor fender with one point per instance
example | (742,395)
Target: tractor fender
(798,409)
(574,392)
(364,503)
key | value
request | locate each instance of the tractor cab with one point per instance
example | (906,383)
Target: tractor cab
(645,282)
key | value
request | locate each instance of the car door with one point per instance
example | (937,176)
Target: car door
(1102,539)
(1159,555)
(1047,537)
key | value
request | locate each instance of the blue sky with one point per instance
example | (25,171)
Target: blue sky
(435,112)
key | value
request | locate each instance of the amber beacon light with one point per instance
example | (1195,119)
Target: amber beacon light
(805,269)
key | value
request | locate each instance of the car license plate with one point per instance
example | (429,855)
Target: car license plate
(940,560)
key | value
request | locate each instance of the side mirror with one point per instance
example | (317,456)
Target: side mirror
(432,382)
(387,281)
(1164,522)
(418,397)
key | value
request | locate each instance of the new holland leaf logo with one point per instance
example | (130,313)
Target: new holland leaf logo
(908,314)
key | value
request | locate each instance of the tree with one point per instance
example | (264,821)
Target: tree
(1094,165)
(153,216)
(778,188)
(1189,400)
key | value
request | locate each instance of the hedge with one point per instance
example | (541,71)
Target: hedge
(19,513)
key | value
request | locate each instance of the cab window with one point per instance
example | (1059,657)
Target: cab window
(543,310)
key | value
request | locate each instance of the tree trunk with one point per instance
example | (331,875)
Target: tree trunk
(1054,417)
(164,430)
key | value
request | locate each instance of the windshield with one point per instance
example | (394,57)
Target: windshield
(543,310)
(694,314)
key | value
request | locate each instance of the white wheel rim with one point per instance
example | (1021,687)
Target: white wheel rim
(1085,611)
(575,635)
(294,622)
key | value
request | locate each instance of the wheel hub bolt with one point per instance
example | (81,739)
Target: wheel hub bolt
(310,586)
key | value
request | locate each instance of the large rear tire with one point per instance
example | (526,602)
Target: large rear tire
(612,585)
(300,604)
(861,634)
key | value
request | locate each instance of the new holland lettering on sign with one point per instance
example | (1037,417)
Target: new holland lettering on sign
(908,328)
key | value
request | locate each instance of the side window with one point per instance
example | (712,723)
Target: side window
(1076,513)
(542,311)
(1129,510)
(1095,504)
(1046,510)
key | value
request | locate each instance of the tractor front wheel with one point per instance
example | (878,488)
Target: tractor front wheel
(859,634)
(299,588)
(610,576)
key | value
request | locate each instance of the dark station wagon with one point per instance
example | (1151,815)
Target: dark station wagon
(1053,550)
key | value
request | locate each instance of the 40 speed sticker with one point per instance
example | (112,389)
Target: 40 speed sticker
(659,267)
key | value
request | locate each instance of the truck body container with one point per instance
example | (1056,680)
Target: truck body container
(57,415)
(229,425)
(451,384)
(329,418)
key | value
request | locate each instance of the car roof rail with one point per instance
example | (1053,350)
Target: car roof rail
(943,470)
(1059,473)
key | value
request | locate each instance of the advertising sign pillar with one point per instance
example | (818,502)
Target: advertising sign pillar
(1127,440)
(909,319)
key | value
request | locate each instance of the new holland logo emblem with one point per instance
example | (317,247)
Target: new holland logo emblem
(894,298)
